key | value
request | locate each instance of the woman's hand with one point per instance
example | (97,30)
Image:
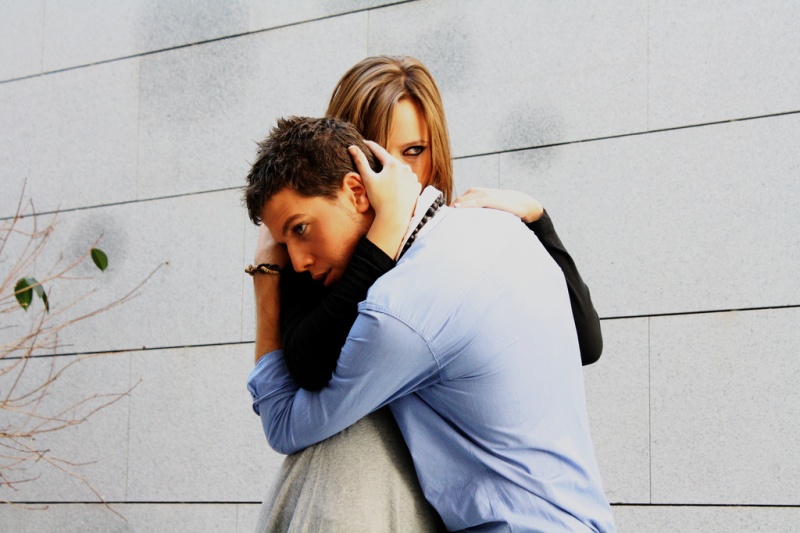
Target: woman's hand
(526,207)
(268,250)
(392,193)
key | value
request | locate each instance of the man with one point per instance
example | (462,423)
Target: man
(469,340)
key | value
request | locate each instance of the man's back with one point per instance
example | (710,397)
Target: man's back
(470,341)
(497,427)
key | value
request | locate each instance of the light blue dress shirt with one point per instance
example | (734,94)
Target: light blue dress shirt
(470,340)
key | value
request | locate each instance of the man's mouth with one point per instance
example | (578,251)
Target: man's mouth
(325,278)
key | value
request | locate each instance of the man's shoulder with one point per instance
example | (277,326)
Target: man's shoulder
(459,236)
(471,235)
(465,248)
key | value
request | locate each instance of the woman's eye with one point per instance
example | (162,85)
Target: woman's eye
(300,229)
(414,150)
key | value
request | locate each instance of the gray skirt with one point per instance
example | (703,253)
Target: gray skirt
(361,479)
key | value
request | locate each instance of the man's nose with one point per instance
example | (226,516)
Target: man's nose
(301,261)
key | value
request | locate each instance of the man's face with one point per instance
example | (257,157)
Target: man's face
(319,233)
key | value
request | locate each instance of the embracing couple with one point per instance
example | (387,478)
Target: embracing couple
(419,360)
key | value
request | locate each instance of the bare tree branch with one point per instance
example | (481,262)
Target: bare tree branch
(26,415)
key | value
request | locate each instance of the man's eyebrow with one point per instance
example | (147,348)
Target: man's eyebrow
(289,222)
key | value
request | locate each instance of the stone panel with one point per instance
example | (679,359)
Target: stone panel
(281,12)
(70,138)
(85,32)
(475,172)
(191,245)
(721,60)
(204,107)
(122,518)
(82,461)
(520,74)
(618,399)
(247,517)
(248,300)
(689,220)
(726,408)
(706,519)
(194,436)
(20,38)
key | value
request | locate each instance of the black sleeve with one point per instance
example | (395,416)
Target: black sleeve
(315,321)
(590,338)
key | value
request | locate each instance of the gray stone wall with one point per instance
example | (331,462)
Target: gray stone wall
(662,137)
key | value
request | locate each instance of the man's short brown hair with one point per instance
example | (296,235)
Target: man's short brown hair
(308,155)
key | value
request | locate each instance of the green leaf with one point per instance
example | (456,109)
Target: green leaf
(23,293)
(40,293)
(100,258)
(24,290)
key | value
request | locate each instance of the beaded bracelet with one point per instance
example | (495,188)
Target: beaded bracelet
(263,268)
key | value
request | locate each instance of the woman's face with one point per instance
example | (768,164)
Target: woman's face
(409,139)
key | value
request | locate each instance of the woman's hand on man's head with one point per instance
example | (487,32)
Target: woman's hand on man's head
(392,193)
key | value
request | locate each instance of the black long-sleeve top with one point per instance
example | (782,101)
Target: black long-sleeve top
(315,320)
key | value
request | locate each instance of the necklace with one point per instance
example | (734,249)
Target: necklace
(435,206)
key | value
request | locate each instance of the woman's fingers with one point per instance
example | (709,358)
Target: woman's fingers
(393,191)
(383,156)
(360,160)
(524,206)
(386,159)
(473,197)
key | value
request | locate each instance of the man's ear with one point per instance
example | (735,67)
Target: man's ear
(353,186)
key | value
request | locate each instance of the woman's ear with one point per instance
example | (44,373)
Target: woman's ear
(353,186)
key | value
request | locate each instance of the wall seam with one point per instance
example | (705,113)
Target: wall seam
(705,312)
(650,409)
(244,283)
(131,350)
(41,49)
(483,154)
(239,502)
(128,440)
(241,342)
(138,128)
(633,134)
(647,68)
(195,43)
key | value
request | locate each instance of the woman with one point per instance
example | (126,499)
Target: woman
(363,479)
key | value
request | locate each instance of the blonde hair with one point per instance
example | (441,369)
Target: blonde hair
(368,93)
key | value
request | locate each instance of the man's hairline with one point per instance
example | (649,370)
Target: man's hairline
(331,198)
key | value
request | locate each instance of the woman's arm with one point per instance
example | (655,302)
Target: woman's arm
(312,320)
(315,321)
(530,210)
(587,323)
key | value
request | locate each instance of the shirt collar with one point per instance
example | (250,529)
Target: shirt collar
(428,203)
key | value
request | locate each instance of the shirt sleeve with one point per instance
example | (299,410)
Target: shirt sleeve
(383,359)
(587,323)
(315,321)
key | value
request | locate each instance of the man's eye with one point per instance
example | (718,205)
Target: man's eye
(300,229)
(414,150)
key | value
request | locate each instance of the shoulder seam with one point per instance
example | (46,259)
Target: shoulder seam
(366,305)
